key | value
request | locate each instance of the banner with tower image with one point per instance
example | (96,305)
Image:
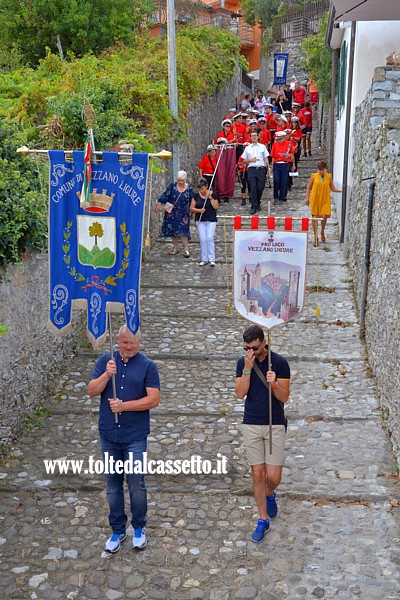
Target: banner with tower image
(95,239)
(269,273)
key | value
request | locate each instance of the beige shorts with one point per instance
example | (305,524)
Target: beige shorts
(256,442)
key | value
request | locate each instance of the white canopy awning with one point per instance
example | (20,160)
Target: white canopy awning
(367,10)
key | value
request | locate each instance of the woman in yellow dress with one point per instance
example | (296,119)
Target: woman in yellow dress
(318,196)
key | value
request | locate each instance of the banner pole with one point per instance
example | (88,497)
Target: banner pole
(114,385)
(269,395)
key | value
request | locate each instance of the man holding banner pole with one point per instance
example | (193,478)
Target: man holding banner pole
(124,440)
(253,376)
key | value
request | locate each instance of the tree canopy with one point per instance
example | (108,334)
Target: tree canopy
(28,26)
(260,11)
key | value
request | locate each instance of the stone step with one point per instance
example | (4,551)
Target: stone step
(330,389)
(335,306)
(318,463)
(325,390)
(211,336)
(188,274)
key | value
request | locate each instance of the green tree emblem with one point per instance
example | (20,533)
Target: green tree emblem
(96,230)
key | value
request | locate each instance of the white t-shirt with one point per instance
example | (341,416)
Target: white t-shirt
(257,151)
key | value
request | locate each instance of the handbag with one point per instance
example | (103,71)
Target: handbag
(260,375)
(168,206)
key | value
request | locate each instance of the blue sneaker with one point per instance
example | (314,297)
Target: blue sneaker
(260,530)
(272,507)
(113,544)
(139,540)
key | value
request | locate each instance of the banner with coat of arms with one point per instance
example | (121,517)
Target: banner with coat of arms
(280,68)
(95,239)
(269,275)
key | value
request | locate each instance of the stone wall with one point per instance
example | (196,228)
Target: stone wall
(377,154)
(30,356)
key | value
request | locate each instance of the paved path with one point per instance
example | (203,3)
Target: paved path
(337,531)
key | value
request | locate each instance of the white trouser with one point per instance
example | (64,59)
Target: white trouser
(206,235)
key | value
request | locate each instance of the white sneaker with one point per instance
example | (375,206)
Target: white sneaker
(113,544)
(212,263)
(139,540)
(202,263)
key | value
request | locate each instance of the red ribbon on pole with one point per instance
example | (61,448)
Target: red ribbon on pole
(237,222)
(288,223)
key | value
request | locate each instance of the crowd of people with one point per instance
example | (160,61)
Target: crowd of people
(261,140)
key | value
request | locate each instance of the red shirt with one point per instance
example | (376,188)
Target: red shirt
(307,115)
(265,136)
(241,165)
(240,131)
(278,151)
(205,164)
(228,136)
(271,123)
(299,95)
(292,147)
(297,135)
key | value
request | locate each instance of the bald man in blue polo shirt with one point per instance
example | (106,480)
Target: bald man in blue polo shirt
(138,390)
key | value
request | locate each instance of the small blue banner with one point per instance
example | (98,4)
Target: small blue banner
(280,68)
(95,246)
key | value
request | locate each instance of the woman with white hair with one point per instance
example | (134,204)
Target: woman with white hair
(176,203)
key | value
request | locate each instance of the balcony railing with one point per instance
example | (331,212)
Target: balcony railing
(211,17)
(299,24)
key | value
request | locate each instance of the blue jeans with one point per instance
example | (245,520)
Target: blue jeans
(115,485)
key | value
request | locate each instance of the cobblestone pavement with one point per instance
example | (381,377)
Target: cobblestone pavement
(337,531)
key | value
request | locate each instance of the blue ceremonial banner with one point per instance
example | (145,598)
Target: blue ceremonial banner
(280,68)
(96,245)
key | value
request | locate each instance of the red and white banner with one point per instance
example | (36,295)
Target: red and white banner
(269,275)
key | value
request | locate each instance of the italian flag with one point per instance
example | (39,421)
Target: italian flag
(87,171)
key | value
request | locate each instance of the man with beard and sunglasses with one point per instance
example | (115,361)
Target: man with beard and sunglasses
(266,468)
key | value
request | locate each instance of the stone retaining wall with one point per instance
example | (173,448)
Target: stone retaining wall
(31,357)
(377,154)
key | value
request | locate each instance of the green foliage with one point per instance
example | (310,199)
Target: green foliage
(127,87)
(260,11)
(130,103)
(35,420)
(30,26)
(318,60)
(23,206)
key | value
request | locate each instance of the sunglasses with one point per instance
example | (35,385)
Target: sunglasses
(254,348)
